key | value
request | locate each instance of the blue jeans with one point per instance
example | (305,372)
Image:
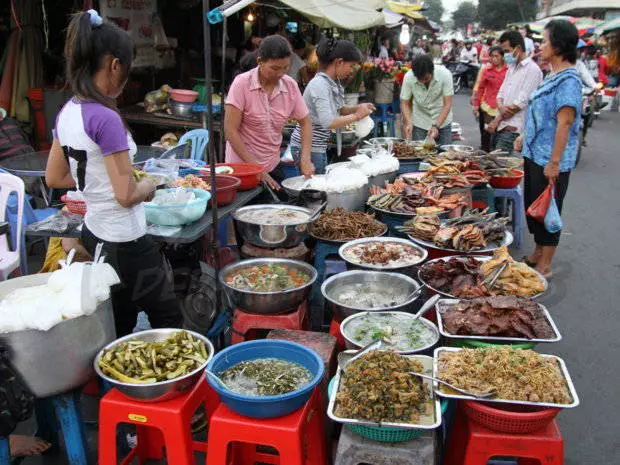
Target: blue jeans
(504,140)
(319,159)
(445,135)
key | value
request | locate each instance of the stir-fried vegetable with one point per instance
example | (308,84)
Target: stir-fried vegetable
(267,278)
(141,362)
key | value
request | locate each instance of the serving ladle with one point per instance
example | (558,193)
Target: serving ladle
(216,378)
(479,395)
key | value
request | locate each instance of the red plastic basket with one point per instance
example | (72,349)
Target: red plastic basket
(507,182)
(74,206)
(508,418)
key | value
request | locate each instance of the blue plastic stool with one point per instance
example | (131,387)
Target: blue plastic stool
(322,266)
(484,194)
(199,139)
(518,211)
(396,104)
(63,412)
(5,453)
(385,118)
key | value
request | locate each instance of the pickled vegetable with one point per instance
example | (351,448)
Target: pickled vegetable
(265,377)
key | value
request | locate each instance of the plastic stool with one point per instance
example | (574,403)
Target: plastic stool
(354,450)
(471,444)
(299,437)
(157,424)
(518,211)
(385,118)
(244,322)
(322,250)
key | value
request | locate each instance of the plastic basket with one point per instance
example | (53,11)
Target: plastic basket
(473,344)
(178,215)
(514,419)
(74,206)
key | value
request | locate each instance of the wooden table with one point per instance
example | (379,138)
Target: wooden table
(135,114)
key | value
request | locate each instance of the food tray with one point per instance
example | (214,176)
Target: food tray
(344,241)
(444,304)
(508,238)
(403,215)
(561,366)
(480,258)
(422,251)
(431,421)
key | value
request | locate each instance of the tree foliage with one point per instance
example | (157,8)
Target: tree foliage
(434,10)
(465,14)
(495,14)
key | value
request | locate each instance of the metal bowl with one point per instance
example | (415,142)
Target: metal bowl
(385,141)
(457,148)
(423,253)
(380,279)
(381,179)
(272,235)
(350,343)
(268,303)
(353,199)
(163,390)
(384,230)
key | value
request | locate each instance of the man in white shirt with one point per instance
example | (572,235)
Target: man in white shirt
(469,53)
(384,50)
(522,79)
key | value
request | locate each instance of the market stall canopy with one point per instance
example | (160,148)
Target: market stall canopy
(353,15)
(607,27)
(411,10)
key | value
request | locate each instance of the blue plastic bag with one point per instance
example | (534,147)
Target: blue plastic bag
(553,220)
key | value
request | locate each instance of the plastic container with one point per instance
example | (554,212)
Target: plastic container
(249,174)
(226,188)
(74,206)
(514,419)
(507,182)
(183,95)
(266,406)
(178,215)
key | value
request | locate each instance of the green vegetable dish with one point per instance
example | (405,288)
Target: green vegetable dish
(265,377)
(267,278)
(399,332)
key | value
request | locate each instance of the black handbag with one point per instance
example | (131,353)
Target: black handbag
(16,401)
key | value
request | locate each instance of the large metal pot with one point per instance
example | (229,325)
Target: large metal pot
(163,390)
(354,199)
(272,235)
(379,279)
(60,359)
(381,179)
(268,303)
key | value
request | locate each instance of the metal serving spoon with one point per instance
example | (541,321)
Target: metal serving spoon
(481,395)
(343,359)
(216,378)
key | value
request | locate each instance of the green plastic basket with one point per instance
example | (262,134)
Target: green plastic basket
(385,434)
(474,344)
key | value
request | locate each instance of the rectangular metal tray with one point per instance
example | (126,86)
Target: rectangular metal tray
(431,421)
(443,305)
(561,365)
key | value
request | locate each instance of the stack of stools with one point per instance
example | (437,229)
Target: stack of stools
(384,116)
(245,325)
(159,425)
(298,438)
(518,211)
(536,437)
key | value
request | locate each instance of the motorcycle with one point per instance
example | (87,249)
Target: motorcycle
(461,71)
(587,118)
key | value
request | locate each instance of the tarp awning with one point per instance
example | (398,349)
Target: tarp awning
(346,14)
(411,10)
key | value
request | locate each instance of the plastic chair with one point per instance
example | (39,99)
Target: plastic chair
(244,324)
(199,139)
(385,118)
(9,259)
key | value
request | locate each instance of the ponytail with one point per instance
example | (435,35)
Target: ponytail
(332,49)
(89,40)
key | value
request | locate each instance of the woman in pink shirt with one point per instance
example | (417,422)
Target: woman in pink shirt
(258,106)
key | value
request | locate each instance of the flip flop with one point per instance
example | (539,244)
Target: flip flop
(527,261)
(548,275)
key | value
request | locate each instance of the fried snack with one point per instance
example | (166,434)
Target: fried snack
(342,225)
(517,278)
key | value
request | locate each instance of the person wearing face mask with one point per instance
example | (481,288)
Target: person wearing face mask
(258,105)
(551,139)
(522,78)
(324,97)
(431,89)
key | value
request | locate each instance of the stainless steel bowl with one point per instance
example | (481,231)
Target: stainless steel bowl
(60,359)
(272,235)
(163,390)
(377,279)
(348,137)
(457,148)
(181,108)
(268,303)
(353,199)
(384,141)
(423,253)
(350,343)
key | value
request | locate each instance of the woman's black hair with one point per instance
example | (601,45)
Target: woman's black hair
(490,41)
(274,48)
(85,49)
(514,38)
(498,49)
(563,36)
(422,65)
(329,50)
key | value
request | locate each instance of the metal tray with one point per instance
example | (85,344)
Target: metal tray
(344,241)
(508,238)
(561,366)
(480,258)
(431,421)
(405,242)
(443,305)
(403,215)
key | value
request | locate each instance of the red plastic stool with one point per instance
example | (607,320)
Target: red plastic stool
(157,424)
(244,323)
(299,437)
(334,330)
(472,444)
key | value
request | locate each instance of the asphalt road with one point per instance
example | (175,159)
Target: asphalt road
(581,298)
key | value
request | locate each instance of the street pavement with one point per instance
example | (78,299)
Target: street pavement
(583,292)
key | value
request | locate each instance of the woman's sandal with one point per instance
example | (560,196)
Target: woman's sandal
(525,259)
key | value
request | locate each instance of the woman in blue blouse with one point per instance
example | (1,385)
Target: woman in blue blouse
(550,142)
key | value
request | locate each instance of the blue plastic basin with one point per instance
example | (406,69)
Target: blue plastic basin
(178,215)
(266,406)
